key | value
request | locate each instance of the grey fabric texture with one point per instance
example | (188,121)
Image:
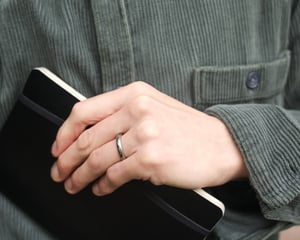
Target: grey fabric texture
(16,225)
(200,52)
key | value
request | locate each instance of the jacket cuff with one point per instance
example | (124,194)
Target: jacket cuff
(269,142)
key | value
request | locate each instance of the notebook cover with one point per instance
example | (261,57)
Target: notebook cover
(137,210)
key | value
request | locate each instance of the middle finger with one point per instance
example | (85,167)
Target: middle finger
(91,139)
(98,162)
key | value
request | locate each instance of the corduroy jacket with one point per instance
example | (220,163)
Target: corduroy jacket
(238,60)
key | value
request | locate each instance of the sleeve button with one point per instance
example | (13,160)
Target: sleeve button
(253,80)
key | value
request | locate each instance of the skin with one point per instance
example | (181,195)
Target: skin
(165,142)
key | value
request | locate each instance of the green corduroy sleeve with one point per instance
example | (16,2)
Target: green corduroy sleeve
(269,139)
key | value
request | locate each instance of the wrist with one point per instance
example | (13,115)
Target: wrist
(232,162)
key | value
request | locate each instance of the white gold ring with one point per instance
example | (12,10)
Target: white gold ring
(120,146)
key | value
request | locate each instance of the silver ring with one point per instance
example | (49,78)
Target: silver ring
(120,146)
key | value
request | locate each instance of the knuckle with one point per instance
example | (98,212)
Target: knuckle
(150,159)
(156,180)
(111,177)
(152,164)
(146,131)
(76,109)
(139,87)
(77,182)
(60,134)
(106,185)
(93,162)
(140,106)
(84,140)
(63,166)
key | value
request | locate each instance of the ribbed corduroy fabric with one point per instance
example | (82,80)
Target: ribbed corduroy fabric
(272,146)
(200,52)
(16,225)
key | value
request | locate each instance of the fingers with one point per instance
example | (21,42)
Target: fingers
(94,153)
(87,154)
(86,144)
(94,166)
(119,174)
(98,163)
(133,114)
(95,109)
(84,114)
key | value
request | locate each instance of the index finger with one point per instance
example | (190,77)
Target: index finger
(93,110)
(84,114)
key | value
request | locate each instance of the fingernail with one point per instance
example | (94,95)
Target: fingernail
(97,191)
(69,186)
(54,149)
(55,173)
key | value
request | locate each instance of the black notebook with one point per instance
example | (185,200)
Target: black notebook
(138,210)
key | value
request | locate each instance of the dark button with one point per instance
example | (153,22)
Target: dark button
(253,80)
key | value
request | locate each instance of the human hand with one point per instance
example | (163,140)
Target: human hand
(165,142)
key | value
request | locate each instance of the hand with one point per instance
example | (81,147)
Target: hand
(165,141)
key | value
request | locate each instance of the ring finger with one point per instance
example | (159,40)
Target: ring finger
(96,164)
(89,140)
